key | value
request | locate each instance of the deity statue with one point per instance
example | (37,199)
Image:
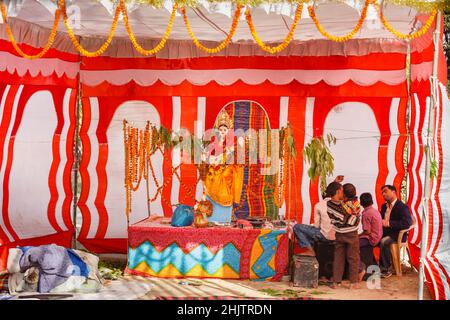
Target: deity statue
(224,179)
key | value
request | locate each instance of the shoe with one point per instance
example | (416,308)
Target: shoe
(386,274)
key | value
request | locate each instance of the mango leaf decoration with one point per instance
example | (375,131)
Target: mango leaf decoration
(321,162)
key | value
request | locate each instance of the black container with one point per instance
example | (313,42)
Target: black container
(305,271)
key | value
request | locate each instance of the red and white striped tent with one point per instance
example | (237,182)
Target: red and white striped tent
(356,90)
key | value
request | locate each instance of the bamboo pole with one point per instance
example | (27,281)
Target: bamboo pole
(408,120)
(430,135)
(147,161)
(75,167)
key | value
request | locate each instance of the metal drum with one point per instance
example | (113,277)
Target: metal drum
(305,271)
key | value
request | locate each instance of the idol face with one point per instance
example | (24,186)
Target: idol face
(223,130)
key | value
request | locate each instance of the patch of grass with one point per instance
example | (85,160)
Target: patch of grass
(111,270)
(285,293)
(317,292)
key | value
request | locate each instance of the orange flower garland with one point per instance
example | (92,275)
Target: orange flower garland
(286,41)
(121,8)
(224,43)
(46,48)
(136,45)
(76,43)
(137,152)
(403,36)
(348,36)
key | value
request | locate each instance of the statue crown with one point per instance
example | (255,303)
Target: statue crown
(224,119)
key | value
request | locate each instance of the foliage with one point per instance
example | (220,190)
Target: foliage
(111,270)
(318,155)
(433,163)
(433,168)
(163,137)
(285,293)
(404,186)
(291,143)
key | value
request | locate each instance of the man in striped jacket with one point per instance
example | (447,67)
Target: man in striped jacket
(345,220)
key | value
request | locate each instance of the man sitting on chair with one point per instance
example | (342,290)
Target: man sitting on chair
(396,217)
(322,229)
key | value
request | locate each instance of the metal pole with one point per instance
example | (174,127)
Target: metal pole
(430,134)
(76,164)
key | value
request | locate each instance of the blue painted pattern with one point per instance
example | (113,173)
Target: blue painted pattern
(184,262)
(269,245)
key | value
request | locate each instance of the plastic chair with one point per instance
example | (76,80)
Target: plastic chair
(396,248)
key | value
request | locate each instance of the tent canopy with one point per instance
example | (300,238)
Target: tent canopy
(212,21)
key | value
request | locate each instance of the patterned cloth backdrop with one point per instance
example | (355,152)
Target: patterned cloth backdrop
(258,197)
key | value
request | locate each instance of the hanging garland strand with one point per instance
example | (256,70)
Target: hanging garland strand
(287,39)
(121,8)
(133,40)
(419,5)
(224,43)
(76,43)
(403,36)
(348,36)
(44,50)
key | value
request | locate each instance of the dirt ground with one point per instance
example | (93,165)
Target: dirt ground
(393,288)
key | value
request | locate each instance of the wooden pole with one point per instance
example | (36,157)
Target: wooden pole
(75,167)
(147,161)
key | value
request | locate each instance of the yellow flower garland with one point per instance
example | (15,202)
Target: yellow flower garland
(348,36)
(287,39)
(136,45)
(403,36)
(44,50)
(224,43)
(273,50)
(76,43)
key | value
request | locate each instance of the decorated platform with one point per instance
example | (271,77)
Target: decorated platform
(158,249)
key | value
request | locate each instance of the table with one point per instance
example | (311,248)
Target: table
(160,250)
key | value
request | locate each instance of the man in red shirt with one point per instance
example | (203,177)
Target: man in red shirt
(372,232)
(371,222)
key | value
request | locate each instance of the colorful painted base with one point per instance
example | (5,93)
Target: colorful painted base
(218,252)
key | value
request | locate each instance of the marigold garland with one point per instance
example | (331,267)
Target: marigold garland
(137,152)
(404,36)
(76,43)
(133,40)
(348,36)
(287,40)
(420,5)
(224,43)
(121,8)
(44,50)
